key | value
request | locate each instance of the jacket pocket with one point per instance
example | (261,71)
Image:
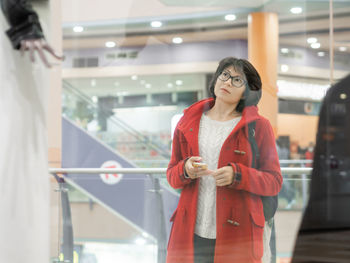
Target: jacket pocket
(258,223)
(172,218)
(178,229)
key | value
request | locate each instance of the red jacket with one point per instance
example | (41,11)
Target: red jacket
(239,212)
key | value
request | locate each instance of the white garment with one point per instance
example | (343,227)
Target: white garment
(211,137)
(24,180)
(266,242)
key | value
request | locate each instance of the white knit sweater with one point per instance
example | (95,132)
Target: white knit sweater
(212,135)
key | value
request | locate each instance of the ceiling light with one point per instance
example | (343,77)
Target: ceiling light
(296,10)
(177,40)
(78,29)
(140,241)
(110,44)
(315,45)
(170,85)
(343,96)
(142,82)
(122,93)
(230,17)
(284,50)
(311,40)
(94,99)
(134,77)
(321,54)
(284,68)
(342,49)
(148,86)
(156,24)
(179,82)
(93,82)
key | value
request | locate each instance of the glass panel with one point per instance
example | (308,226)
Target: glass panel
(131,69)
(105,231)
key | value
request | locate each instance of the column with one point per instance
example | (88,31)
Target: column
(263,54)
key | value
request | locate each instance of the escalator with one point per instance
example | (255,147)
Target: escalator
(144,201)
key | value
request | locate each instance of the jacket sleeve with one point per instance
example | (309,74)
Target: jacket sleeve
(175,172)
(23,21)
(267,180)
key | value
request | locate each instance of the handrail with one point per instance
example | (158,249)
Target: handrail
(301,161)
(67,226)
(120,123)
(285,170)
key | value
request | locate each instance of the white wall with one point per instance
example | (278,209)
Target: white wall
(92,10)
(147,119)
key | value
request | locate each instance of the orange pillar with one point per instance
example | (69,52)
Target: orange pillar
(263,54)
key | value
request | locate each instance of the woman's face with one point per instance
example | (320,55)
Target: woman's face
(232,89)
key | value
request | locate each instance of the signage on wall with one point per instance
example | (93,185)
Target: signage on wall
(131,54)
(299,107)
(111,178)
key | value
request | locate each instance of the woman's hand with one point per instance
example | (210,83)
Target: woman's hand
(195,172)
(224,176)
(39,45)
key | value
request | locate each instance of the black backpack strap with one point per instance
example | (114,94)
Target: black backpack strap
(253,144)
(270,203)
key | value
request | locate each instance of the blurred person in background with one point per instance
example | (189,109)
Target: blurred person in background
(287,191)
(220,215)
(309,154)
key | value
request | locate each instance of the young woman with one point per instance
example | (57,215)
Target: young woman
(220,216)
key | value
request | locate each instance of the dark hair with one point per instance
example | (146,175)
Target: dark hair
(252,93)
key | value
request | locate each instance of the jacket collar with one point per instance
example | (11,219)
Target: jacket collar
(193,114)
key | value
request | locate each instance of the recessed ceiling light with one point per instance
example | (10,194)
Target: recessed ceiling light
(284,50)
(315,45)
(148,86)
(140,241)
(177,40)
(342,49)
(156,24)
(170,85)
(122,93)
(343,96)
(110,44)
(94,99)
(296,10)
(321,54)
(134,77)
(230,17)
(179,82)
(311,40)
(284,68)
(93,82)
(78,29)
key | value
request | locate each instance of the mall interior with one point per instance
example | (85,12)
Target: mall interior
(130,68)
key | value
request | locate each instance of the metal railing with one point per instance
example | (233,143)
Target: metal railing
(285,170)
(139,138)
(68,240)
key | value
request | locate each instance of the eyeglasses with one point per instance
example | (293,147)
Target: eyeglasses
(236,81)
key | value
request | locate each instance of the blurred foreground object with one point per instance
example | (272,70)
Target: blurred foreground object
(25,31)
(324,234)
